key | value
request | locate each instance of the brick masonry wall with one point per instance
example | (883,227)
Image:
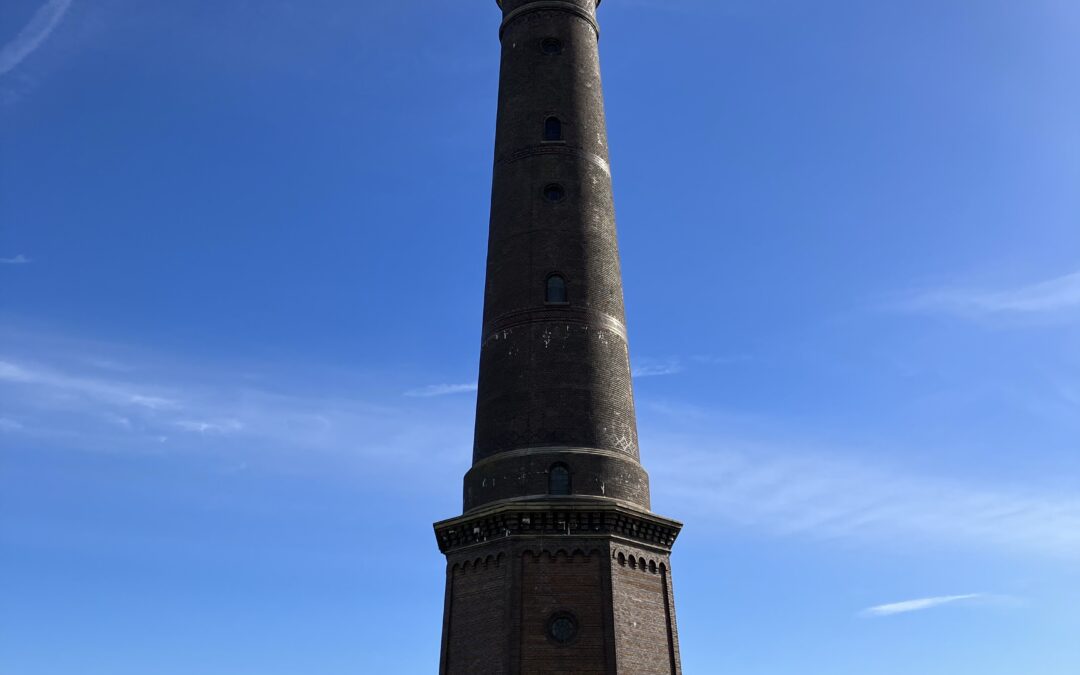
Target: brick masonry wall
(595,474)
(555,386)
(558,582)
(644,613)
(476,632)
(502,596)
(553,375)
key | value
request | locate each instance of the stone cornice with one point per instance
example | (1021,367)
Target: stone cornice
(550,5)
(551,519)
(500,2)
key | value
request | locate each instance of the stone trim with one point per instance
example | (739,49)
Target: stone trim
(500,2)
(550,5)
(552,450)
(554,520)
(552,501)
(551,149)
(552,314)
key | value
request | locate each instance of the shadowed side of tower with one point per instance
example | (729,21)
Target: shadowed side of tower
(557,564)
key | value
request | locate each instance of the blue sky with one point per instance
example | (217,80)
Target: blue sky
(241,269)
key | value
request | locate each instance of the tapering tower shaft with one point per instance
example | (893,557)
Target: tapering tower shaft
(554,365)
(556,565)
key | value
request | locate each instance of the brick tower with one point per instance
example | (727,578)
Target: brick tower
(557,565)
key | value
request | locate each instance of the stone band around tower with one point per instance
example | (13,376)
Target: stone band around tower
(510,2)
(548,6)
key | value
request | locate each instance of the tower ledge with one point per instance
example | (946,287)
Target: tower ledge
(556,517)
(581,11)
(500,3)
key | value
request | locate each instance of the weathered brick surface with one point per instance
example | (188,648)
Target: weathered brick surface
(476,614)
(517,475)
(645,630)
(502,595)
(560,581)
(552,375)
(555,388)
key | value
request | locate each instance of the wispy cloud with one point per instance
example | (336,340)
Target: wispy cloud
(106,391)
(41,25)
(780,488)
(797,491)
(139,407)
(1053,295)
(208,427)
(17,260)
(653,368)
(441,390)
(917,605)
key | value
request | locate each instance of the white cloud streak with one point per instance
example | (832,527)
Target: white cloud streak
(211,427)
(919,605)
(649,368)
(441,390)
(793,491)
(1053,295)
(782,489)
(104,391)
(33,35)
(92,411)
(17,260)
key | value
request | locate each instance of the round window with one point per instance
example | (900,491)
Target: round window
(563,628)
(554,193)
(551,46)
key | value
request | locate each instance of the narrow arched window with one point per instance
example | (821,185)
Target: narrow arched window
(556,290)
(554,193)
(559,480)
(552,129)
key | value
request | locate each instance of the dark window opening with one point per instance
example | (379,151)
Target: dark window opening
(552,129)
(556,291)
(554,193)
(562,628)
(551,46)
(559,480)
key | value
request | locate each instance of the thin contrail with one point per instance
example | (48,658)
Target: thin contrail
(33,34)
(917,605)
